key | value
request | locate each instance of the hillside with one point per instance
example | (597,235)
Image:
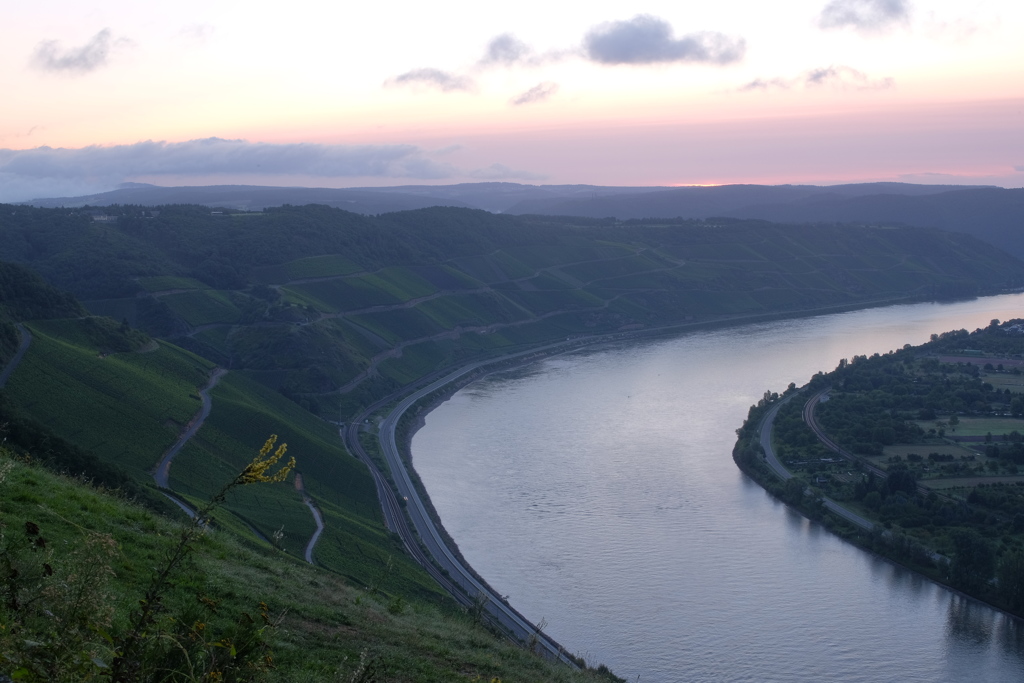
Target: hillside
(993,214)
(298,320)
(100,401)
(84,558)
(335,310)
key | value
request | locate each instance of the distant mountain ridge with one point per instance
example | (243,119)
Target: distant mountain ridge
(993,214)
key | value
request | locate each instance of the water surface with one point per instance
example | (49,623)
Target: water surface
(597,490)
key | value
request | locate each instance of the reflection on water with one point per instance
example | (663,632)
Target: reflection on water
(597,490)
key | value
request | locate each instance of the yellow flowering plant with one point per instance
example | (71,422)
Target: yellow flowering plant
(133,649)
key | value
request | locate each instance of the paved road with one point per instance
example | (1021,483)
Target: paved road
(26,339)
(455,577)
(430,536)
(162,473)
(767,424)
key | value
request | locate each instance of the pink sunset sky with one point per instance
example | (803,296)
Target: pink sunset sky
(612,93)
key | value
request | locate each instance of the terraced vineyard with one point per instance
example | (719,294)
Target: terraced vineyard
(318,313)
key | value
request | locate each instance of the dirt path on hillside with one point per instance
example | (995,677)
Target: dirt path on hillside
(317,517)
(26,339)
(162,473)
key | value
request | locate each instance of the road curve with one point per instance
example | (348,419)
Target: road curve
(162,473)
(812,422)
(430,536)
(454,577)
(26,339)
(767,424)
(317,517)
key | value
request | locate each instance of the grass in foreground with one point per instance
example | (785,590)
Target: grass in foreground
(313,625)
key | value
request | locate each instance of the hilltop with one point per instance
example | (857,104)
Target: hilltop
(993,214)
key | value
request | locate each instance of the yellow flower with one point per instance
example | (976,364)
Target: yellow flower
(257,471)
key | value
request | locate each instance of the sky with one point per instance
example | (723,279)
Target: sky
(601,92)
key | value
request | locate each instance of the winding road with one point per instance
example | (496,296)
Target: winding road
(317,517)
(767,424)
(162,473)
(426,545)
(26,339)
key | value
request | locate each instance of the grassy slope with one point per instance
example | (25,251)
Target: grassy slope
(355,542)
(328,625)
(129,408)
(126,407)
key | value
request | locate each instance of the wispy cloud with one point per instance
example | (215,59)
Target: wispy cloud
(843,77)
(537,93)
(444,81)
(50,56)
(864,15)
(649,40)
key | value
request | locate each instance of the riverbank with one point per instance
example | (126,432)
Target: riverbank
(410,418)
(882,541)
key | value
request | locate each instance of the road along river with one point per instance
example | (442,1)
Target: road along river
(597,491)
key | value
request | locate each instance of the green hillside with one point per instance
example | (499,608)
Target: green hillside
(86,558)
(314,314)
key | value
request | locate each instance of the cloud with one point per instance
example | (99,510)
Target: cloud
(33,172)
(537,93)
(1019,168)
(648,40)
(505,50)
(50,56)
(843,77)
(864,15)
(435,78)
(503,172)
(762,84)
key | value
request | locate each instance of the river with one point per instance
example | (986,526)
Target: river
(597,491)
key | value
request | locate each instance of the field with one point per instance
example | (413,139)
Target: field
(923,449)
(1015,383)
(602,270)
(163,283)
(401,283)
(346,294)
(547,256)
(417,360)
(398,325)
(244,414)
(978,426)
(540,303)
(471,309)
(127,408)
(203,307)
(320,266)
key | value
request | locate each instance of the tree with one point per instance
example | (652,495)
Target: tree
(1011,579)
(973,562)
